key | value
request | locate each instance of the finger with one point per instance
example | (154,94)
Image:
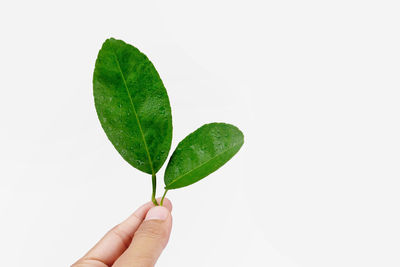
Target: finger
(118,239)
(149,240)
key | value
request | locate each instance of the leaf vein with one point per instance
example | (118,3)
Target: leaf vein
(204,163)
(134,111)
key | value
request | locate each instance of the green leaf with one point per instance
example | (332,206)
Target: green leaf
(132,105)
(201,153)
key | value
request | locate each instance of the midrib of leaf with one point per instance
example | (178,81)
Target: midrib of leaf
(134,111)
(204,163)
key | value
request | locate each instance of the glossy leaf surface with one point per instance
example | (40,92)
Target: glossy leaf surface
(132,105)
(201,153)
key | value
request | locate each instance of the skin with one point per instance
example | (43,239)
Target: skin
(137,241)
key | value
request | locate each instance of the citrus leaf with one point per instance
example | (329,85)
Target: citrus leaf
(201,153)
(132,105)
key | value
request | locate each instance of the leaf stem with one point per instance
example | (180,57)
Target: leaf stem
(162,199)
(154,183)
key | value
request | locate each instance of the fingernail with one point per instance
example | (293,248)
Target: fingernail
(157,213)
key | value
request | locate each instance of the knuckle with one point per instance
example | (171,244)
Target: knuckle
(152,230)
(121,234)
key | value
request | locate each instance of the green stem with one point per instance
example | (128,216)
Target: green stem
(154,183)
(162,199)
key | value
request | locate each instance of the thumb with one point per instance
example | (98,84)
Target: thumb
(149,240)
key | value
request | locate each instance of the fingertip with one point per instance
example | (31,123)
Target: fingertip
(168,204)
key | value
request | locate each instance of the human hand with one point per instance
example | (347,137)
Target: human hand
(137,241)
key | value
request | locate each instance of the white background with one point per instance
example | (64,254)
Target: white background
(314,85)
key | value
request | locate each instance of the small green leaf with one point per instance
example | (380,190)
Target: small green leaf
(201,153)
(132,105)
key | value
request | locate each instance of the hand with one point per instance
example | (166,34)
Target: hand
(137,241)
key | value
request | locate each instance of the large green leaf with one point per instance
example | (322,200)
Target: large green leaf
(201,153)
(132,105)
